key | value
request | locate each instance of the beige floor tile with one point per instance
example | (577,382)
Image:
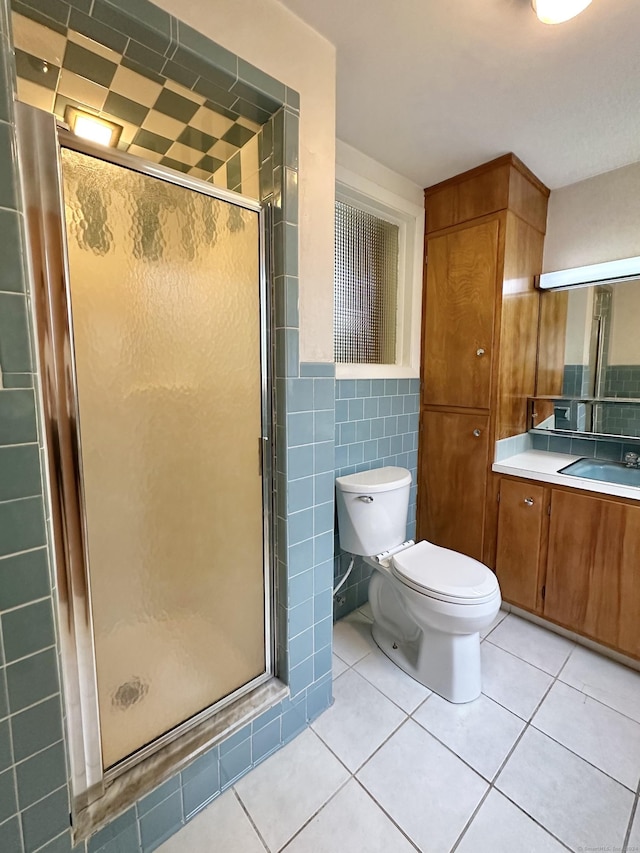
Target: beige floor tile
(289,787)
(482,732)
(359,720)
(423,787)
(222,827)
(351,822)
(532,643)
(577,803)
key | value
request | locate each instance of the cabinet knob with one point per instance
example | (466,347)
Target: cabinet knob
(477,432)
(480,352)
(529,501)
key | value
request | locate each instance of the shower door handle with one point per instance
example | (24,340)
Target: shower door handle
(262,439)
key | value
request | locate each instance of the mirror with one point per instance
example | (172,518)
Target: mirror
(600,381)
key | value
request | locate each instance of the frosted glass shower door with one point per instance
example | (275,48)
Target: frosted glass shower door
(164,292)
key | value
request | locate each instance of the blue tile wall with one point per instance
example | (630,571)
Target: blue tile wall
(591,446)
(620,380)
(34,815)
(575,380)
(376,425)
(621,419)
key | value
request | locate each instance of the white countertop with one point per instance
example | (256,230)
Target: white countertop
(544,466)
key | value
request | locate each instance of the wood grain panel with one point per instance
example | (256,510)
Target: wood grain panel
(551,342)
(503,183)
(518,333)
(592,571)
(461,200)
(528,199)
(520,532)
(452,477)
(459,314)
(490,542)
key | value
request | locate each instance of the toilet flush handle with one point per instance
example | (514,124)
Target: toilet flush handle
(366,499)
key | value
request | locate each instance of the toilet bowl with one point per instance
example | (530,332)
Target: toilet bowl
(428,603)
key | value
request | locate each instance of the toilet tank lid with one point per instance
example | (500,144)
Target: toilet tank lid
(375,480)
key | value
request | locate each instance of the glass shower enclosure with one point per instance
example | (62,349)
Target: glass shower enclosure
(151,312)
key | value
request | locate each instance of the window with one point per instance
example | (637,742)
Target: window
(377,281)
(366,287)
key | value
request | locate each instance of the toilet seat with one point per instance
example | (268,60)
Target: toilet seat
(444,574)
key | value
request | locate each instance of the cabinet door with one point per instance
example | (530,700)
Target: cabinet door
(453,480)
(522,521)
(593,582)
(460,304)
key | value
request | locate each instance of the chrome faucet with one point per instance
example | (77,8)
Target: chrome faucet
(632,460)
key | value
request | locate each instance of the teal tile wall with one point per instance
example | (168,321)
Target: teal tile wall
(591,446)
(376,425)
(34,815)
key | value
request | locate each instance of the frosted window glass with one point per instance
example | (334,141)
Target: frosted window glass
(165,299)
(365,287)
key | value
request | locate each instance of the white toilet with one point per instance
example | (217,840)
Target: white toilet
(429,603)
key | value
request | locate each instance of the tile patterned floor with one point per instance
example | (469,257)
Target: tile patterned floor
(546,760)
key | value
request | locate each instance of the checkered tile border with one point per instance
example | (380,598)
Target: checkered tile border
(162,120)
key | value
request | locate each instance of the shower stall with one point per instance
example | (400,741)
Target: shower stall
(152,317)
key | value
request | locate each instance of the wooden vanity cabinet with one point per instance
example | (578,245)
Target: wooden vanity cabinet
(593,568)
(484,241)
(523,523)
(572,557)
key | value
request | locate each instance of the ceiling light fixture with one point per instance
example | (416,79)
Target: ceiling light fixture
(93,128)
(558,11)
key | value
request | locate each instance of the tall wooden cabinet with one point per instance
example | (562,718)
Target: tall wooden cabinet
(484,240)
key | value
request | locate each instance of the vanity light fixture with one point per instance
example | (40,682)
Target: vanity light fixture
(93,128)
(610,272)
(558,11)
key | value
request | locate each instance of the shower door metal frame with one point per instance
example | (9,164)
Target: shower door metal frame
(40,141)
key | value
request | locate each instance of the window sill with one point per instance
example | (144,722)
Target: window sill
(376,371)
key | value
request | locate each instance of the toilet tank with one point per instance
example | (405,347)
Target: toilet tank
(372,510)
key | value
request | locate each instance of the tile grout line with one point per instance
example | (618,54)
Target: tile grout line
(12,767)
(576,645)
(20,553)
(250,819)
(352,777)
(514,655)
(315,814)
(23,606)
(31,654)
(384,811)
(627,835)
(492,783)
(528,724)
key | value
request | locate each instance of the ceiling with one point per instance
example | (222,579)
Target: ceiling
(433,87)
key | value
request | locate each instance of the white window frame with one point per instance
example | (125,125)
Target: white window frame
(366,195)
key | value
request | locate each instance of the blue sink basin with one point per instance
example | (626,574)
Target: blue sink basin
(607,472)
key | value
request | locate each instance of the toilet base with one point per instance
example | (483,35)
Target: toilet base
(448,664)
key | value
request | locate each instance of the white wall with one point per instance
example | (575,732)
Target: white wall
(273,39)
(350,161)
(579,313)
(594,221)
(625,314)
